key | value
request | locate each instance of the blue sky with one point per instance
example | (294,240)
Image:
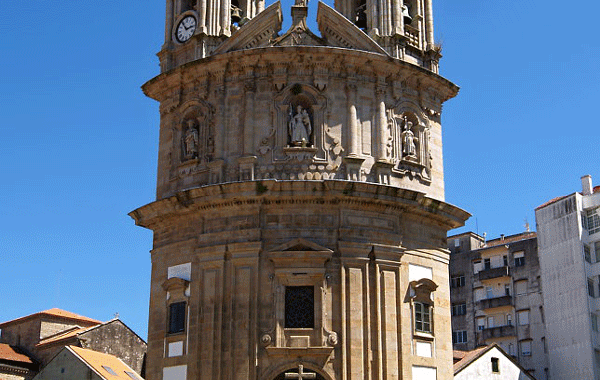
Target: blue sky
(78,139)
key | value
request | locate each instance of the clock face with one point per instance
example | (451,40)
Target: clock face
(186,28)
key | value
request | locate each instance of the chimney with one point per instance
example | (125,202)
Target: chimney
(586,184)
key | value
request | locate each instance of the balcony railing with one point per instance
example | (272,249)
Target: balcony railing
(486,274)
(498,332)
(412,36)
(491,303)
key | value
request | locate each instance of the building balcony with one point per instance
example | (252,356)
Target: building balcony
(486,274)
(498,332)
(491,303)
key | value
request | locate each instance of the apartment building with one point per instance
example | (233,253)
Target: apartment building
(496,296)
(569,250)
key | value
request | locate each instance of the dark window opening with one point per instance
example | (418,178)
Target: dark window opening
(495,365)
(360,19)
(487,263)
(177,317)
(187,5)
(519,261)
(299,307)
(457,281)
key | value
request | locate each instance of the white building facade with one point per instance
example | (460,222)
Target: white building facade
(569,252)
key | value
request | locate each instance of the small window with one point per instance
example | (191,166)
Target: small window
(523,317)
(594,319)
(480,324)
(597,251)
(459,337)
(495,365)
(487,264)
(587,253)
(521,288)
(422,317)
(457,281)
(109,370)
(177,317)
(519,259)
(526,348)
(507,290)
(299,307)
(505,260)
(509,319)
(592,221)
(590,286)
(457,243)
(459,309)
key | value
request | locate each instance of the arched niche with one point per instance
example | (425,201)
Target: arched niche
(410,135)
(194,133)
(291,100)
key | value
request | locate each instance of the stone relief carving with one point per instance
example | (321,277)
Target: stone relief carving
(299,127)
(298,132)
(190,141)
(409,149)
(409,146)
(196,135)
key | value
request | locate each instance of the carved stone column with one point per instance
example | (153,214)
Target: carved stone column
(201,8)
(220,118)
(398,26)
(381,123)
(225,19)
(372,18)
(250,91)
(352,129)
(260,6)
(169,21)
(429,24)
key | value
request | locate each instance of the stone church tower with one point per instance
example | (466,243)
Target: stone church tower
(300,223)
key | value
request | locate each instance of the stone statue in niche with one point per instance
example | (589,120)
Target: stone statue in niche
(409,149)
(190,141)
(299,127)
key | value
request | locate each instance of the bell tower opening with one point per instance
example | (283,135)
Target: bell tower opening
(360,19)
(185,5)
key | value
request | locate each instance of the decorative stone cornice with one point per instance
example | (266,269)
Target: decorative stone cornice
(257,193)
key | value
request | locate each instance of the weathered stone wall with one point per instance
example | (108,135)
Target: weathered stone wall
(24,335)
(240,105)
(354,242)
(116,339)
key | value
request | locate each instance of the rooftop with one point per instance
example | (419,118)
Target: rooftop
(13,354)
(55,313)
(109,367)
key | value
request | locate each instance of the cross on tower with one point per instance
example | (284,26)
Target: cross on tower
(301,375)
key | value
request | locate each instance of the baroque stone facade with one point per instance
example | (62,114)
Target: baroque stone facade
(300,224)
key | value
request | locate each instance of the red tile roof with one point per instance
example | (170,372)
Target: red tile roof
(551,201)
(9,353)
(57,313)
